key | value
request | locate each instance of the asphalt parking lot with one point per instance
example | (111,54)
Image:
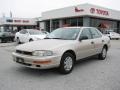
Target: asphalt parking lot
(90,74)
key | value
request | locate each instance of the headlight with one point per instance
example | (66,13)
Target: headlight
(42,53)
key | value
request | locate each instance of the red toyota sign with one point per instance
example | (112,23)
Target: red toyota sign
(99,11)
(92,10)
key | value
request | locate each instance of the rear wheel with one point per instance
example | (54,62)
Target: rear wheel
(103,54)
(30,40)
(67,63)
(18,41)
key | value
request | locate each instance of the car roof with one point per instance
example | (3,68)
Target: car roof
(78,27)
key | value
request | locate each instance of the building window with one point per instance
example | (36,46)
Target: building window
(73,22)
(79,21)
(47,25)
(55,24)
(103,24)
(9,20)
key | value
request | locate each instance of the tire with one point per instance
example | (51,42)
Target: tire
(30,40)
(67,63)
(18,41)
(110,37)
(103,54)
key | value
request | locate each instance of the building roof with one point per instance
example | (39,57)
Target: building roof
(82,10)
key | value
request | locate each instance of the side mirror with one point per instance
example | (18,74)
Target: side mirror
(83,38)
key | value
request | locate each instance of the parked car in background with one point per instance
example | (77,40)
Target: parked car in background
(113,35)
(27,35)
(6,35)
(62,48)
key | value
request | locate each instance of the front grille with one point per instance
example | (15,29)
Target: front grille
(24,52)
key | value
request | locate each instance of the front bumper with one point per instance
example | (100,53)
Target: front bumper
(37,62)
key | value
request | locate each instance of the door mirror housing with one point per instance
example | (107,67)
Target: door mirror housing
(83,38)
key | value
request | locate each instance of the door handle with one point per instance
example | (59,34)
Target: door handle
(92,42)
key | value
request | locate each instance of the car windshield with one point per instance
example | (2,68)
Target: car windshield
(4,30)
(35,32)
(64,33)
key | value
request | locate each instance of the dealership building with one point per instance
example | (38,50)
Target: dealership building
(17,23)
(81,15)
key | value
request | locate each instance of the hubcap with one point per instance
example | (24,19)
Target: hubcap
(104,53)
(68,63)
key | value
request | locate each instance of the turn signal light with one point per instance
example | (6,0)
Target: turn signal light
(42,62)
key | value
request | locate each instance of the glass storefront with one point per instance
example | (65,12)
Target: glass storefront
(55,24)
(103,24)
(17,28)
(47,26)
(78,21)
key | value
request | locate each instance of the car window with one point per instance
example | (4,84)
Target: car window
(23,31)
(65,33)
(1,30)
(86,32)
(35,32)
(95,33)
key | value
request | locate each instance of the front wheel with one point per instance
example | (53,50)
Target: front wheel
(103,54)
(67,63)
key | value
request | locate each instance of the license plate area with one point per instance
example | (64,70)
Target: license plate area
(19,60)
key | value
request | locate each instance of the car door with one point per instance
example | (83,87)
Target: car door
(85,46)
(97,39)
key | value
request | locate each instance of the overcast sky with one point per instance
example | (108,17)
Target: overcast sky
(33,8)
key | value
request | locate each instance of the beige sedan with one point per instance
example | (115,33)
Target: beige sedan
(62,48)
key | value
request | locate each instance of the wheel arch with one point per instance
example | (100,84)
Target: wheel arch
(72,52)
(105,46)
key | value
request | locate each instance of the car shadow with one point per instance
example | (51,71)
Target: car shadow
(54,72)
(37,72)
(87,60)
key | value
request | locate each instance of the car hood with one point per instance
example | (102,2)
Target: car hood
(46,44)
